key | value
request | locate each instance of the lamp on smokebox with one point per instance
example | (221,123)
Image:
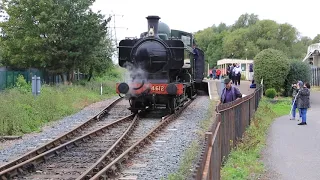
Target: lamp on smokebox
(123,88)
(151,31)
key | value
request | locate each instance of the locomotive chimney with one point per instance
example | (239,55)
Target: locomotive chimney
(153,22)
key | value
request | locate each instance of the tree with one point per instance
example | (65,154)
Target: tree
(235,43)
(220,28)
(248,36)
(316,39)
(100,61)
(299,71)
(245,20)
(273,67)
(59,35)
(211,43)
(22,45)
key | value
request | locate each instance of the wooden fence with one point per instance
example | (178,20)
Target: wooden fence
(232,119)
(315,78)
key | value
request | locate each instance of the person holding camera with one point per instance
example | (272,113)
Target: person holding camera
(295,90)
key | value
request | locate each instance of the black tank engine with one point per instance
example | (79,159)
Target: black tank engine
(164,69)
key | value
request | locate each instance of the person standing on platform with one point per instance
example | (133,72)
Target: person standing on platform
(229,93)
(213,72)
(231,76)
(295,90)
(218,73)
(228,71)
(250,71)
(237,74)
(303,102)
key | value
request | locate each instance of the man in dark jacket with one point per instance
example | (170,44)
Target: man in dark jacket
(229,93)
(251,71)
(231,75)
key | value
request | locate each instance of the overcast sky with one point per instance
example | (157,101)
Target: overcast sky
(192,16)
(196,15)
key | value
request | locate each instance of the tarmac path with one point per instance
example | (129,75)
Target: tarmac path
(293,152)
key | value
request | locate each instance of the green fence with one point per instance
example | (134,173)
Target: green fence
(9,78)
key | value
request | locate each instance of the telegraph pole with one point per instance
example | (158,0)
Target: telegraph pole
(114,28)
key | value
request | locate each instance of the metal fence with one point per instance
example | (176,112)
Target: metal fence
(8,78)
(232,119)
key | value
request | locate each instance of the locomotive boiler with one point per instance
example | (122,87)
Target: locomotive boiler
(164,68)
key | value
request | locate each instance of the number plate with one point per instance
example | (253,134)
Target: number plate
(158,88)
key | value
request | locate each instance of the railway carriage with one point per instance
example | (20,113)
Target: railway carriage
(163,70)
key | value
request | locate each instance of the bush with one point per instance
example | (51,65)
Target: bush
(22,84)
(273,67)
(298,71)
(271,93)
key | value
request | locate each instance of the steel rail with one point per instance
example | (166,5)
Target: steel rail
(31,163)
(115,165)
(59,140)
(106,157)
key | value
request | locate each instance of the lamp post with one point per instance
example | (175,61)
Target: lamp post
(246,54)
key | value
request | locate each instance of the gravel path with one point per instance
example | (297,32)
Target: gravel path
(164,155)
(10,150)
(292,151)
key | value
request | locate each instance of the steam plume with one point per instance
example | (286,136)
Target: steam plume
(135,75)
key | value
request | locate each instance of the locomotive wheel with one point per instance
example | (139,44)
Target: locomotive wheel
(172,105)
(191,92)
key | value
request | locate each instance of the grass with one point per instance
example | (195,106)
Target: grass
(315,88)
(22,113)
(192,152)
(244,161)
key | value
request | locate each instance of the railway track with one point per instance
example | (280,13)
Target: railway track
(111,167)
(97,121)
(95,155)
(73,158)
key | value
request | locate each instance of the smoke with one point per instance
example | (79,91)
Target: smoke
(135,75)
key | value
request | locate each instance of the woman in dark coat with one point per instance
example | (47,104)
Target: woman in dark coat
(303,102)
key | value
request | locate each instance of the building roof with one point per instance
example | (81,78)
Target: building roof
(311,49)
(230,61)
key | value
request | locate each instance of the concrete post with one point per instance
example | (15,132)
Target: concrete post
(36,85)
(101,89)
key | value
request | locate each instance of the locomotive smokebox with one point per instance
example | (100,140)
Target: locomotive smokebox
(153,23)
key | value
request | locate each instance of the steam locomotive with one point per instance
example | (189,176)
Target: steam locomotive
(164,69)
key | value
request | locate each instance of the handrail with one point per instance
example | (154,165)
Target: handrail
(229,125)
